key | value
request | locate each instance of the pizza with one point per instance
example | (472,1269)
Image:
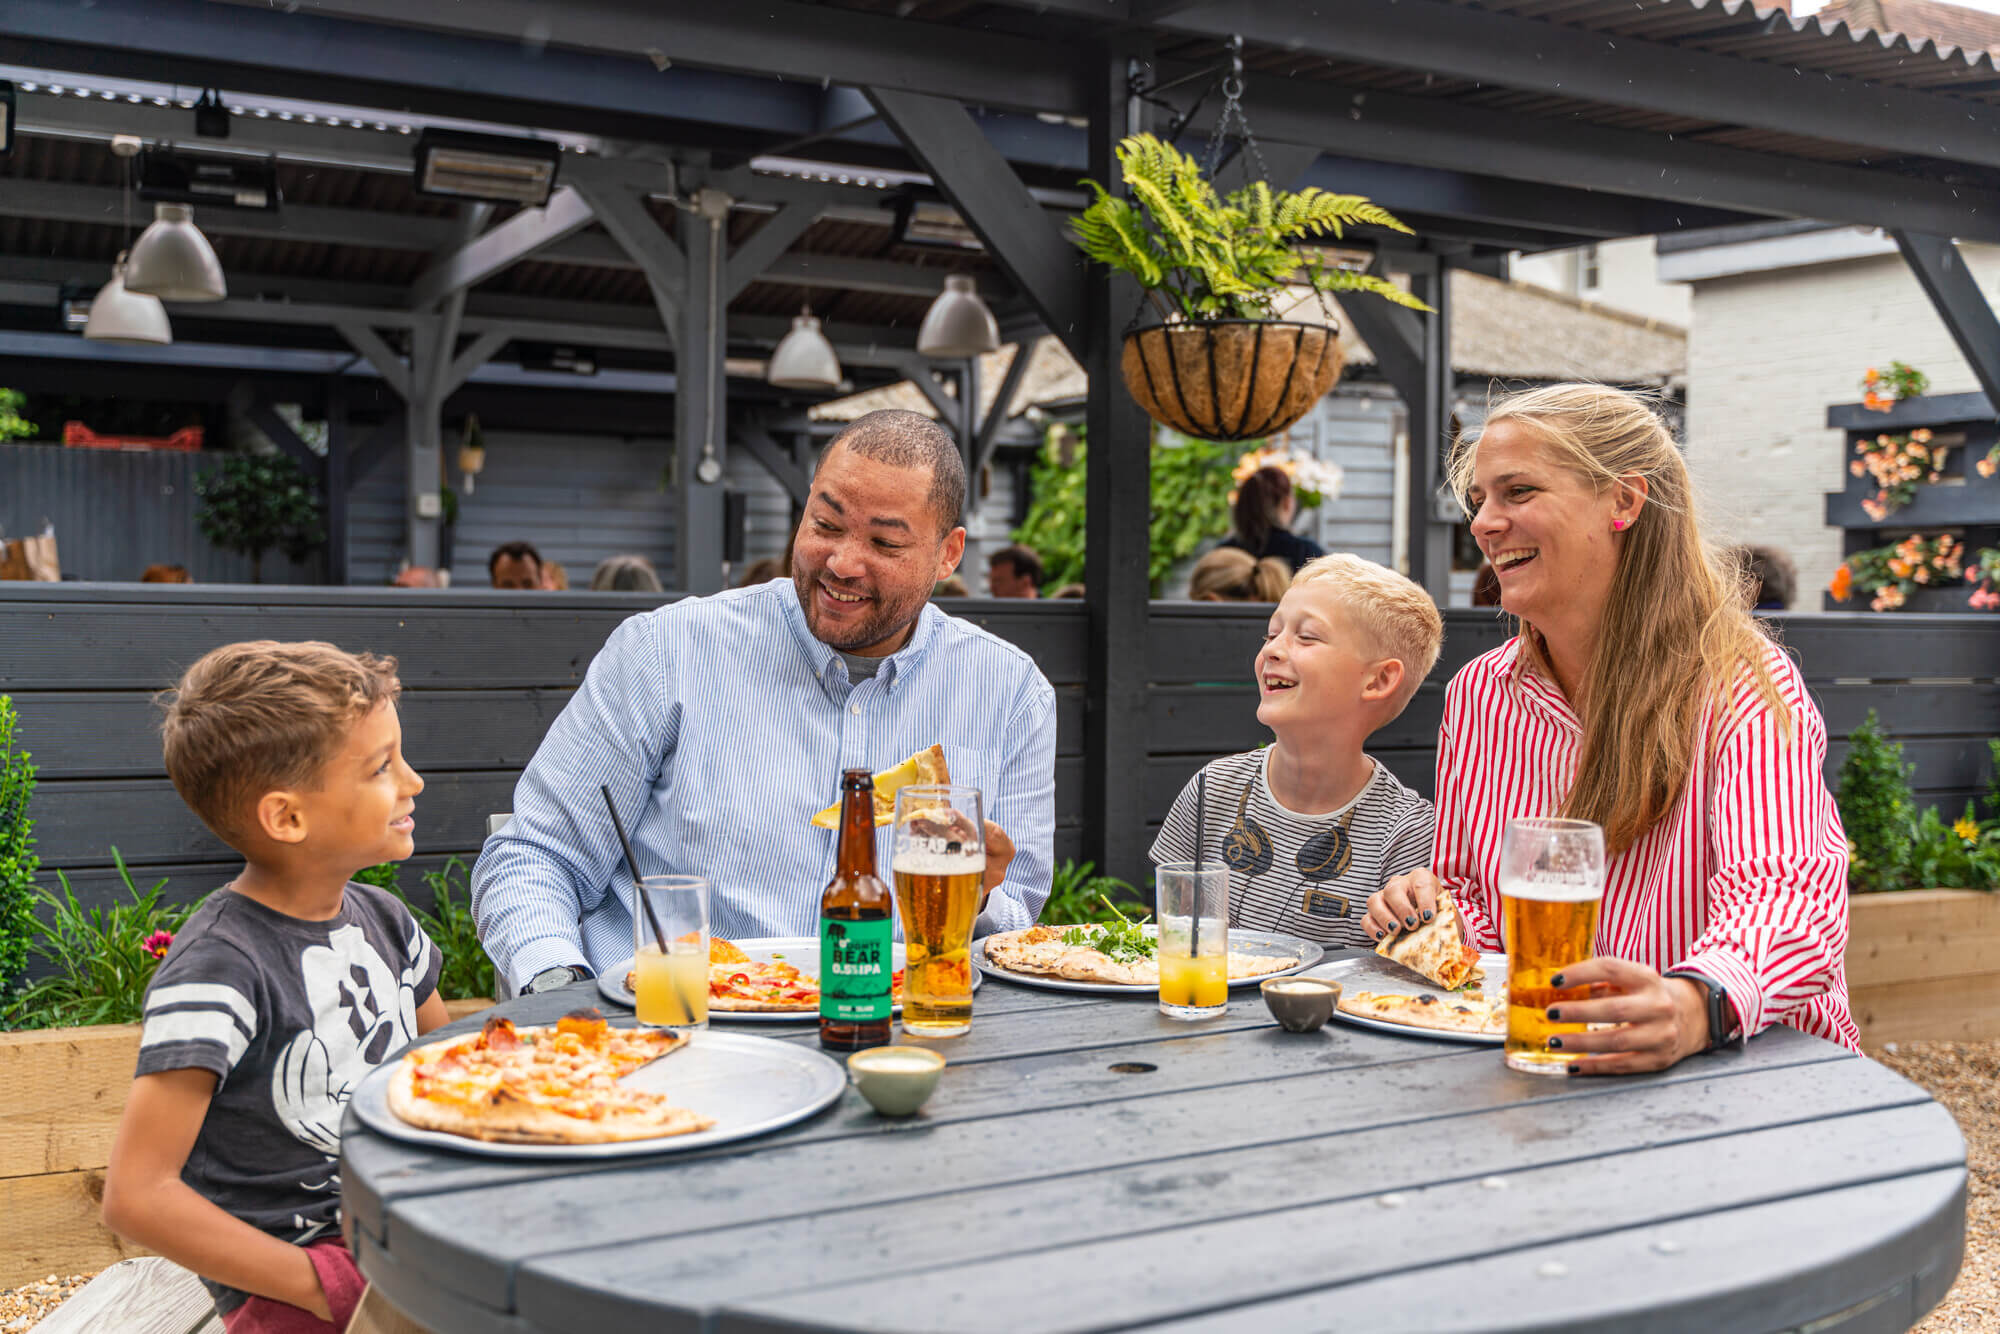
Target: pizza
(1451,1014)
(1436,950)
(556,1084)
(927,766)
(1097,953)
(739,984)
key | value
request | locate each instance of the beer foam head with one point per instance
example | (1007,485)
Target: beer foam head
(1555,889)
(928,856)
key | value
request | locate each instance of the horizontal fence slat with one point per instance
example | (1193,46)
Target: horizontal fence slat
(78,822)
(1892,647)
(115,734)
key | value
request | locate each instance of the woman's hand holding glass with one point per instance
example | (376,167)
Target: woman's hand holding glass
(1659,1020)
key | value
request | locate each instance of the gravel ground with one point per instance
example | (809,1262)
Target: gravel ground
(1964,1076)
(21,1307)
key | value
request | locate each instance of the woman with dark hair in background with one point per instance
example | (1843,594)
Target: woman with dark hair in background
(1265,506)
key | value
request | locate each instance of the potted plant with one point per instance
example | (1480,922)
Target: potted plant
(1892,573)
(1220,364)
(253,502)
(18,861)
(1882,390)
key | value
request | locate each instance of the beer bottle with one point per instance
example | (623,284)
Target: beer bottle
(856,932)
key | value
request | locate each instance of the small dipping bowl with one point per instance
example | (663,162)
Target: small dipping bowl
(896,1081)
(1300,1004)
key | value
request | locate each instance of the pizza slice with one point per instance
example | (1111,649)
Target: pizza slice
(927,766)
(1436,950)
(1449,1014)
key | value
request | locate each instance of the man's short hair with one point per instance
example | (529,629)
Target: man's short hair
(513,551)
(1027,565)
(250,718)
(1397,616)
(905,439)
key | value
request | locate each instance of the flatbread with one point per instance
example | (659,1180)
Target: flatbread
(1450,1014)
(1040,951)
(556,1084)
(1435,950)
(927,767)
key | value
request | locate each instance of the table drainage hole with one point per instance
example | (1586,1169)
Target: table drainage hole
(1133,1068)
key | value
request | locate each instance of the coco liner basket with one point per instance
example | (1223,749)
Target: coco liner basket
(1231,380)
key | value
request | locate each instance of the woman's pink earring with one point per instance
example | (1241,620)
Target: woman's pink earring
(1619,525)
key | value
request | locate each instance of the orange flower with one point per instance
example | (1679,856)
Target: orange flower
(1842,586)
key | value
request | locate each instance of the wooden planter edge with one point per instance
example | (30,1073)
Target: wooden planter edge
(1924,965)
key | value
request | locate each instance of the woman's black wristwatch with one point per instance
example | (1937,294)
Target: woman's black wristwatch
(1722,1028)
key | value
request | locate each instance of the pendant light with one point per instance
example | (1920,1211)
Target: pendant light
(804,359)
(116,315)
(120,315)
(174,261)
(958,323)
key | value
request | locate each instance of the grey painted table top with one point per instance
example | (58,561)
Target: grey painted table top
(1238,1178)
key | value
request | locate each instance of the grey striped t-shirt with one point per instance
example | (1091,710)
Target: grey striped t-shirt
(1306,875)
(289,1015)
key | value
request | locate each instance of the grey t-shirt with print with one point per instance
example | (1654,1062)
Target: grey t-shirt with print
(1305,875)
(289,1015)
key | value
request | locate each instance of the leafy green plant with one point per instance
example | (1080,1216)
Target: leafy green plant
(1190,502)
(254,502)
(1078,894)
(18,862)
(103,957)
(1961,855)
(466,973)
(1203,255)
(13,426)
(1876,809)
(386,875)
(1882,390)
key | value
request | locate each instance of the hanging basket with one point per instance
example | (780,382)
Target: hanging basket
(1231,380)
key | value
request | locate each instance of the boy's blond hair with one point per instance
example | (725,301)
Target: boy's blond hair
(1398,617)
(254,717)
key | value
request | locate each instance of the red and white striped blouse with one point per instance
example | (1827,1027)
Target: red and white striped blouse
(1745,881)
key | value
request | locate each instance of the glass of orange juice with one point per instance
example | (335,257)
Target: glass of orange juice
(1193,904)
(670,986)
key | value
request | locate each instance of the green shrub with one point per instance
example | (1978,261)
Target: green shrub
(18,862)
(1078,894)
(1962,855)
(254,502)
(1877,810)
(466,972)
(384,876)
(103,957)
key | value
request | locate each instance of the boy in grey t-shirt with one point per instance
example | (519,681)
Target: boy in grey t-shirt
(283,990)
(1311,825)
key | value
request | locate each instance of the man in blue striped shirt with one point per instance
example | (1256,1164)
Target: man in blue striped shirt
(722,724)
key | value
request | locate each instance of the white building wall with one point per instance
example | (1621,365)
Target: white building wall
(1627,279)
(1767,353)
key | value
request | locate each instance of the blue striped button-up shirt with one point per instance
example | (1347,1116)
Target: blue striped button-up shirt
(722,725)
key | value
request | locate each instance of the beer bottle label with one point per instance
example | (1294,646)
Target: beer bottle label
(856,965)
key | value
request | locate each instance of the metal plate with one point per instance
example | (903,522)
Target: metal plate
(1365,970)
(1303,953)
(750,1085)
(802,952)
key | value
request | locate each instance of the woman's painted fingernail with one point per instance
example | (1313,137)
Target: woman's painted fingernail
(1556,981)
(1427,915)
(1575,1068)
(1410,920)
(1555,1044)
(1555,1016)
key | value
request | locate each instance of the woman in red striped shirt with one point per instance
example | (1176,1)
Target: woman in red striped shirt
(1640,694)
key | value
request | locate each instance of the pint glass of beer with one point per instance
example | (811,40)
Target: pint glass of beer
(939,861)
(1551,885)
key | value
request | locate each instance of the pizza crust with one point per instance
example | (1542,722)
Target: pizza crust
(1435,950)
(1450,1014)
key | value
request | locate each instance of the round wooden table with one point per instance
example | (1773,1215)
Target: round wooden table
(1089,1165)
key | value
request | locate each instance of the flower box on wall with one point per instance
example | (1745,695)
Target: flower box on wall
(64,1091)
(1924,965)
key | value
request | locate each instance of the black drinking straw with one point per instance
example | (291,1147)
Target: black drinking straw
(632,863)
(1200,819)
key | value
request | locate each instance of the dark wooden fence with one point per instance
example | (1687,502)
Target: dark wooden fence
(485,673)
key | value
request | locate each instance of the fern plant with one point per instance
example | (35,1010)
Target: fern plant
(1202,255)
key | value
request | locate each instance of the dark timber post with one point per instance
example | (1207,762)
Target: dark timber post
(337,443)
(700,399)
(1117,543)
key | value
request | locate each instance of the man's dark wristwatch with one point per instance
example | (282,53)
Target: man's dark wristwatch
(559,976)
(1722,1027)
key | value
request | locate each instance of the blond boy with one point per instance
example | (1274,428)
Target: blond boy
(1311,825)
(283,990)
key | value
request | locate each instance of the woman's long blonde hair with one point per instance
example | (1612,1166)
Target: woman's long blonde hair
(1677,631)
